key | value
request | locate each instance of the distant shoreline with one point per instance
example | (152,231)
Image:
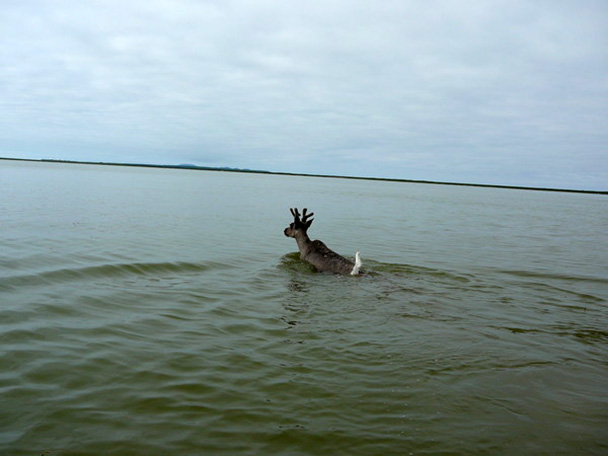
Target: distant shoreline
(252,171)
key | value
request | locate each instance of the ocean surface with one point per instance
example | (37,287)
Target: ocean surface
(163,312)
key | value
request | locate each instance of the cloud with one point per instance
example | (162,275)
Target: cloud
(496,92)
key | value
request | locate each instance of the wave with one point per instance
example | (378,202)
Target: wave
(562,277)
(108,271)
(586,335)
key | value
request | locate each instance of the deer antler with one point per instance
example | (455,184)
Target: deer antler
(306,218)
(295,213)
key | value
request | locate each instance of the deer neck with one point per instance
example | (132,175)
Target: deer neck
(303,243)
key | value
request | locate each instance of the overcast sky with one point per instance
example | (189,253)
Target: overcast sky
(501,92)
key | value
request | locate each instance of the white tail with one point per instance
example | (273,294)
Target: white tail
(358,264)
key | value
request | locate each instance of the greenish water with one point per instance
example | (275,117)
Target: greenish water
(150,311)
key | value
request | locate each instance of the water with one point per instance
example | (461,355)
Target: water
(151,311)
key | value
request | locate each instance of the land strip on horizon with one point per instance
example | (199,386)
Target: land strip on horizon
(279,173)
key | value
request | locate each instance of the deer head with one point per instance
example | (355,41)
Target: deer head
(299,225)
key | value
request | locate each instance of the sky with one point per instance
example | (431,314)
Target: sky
(491,92)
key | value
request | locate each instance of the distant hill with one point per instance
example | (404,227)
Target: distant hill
(216,168)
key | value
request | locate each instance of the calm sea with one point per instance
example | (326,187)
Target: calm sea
(163,312)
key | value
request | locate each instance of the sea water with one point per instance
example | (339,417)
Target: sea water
(163,311)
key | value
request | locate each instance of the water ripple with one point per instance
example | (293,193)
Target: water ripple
(108,271)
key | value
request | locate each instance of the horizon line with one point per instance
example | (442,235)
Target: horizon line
(284,173)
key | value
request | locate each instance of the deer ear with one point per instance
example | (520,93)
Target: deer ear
(309,223)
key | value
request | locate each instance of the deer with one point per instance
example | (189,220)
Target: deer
(316,252)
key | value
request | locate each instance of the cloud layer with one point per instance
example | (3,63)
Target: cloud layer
(475,91)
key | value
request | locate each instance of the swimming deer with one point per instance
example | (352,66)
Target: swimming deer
(316,252)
